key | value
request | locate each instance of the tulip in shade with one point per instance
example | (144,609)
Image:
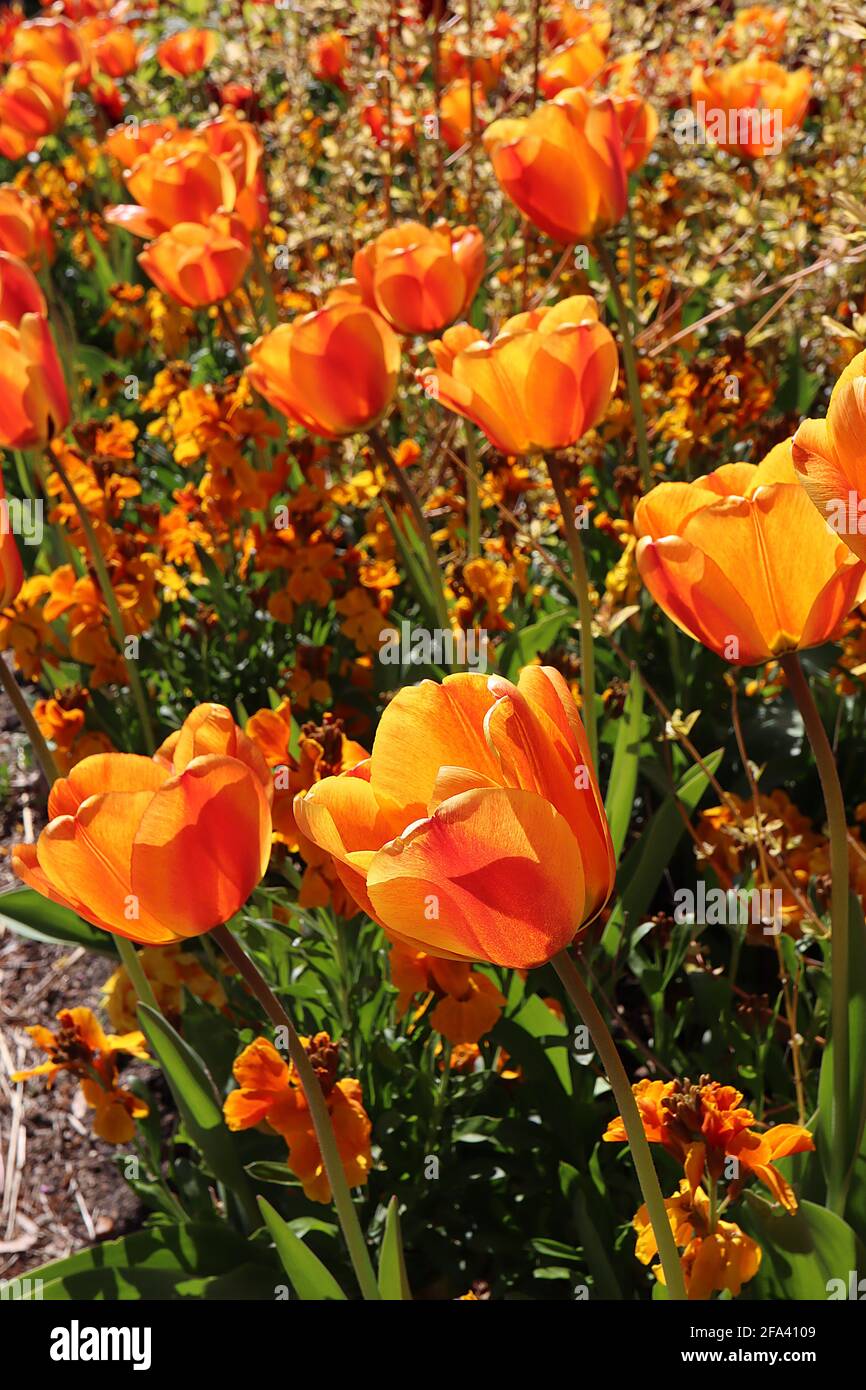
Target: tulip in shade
(33,401)
(158,849)
(197,263)
(563,166)
(421,279)
(333,371)
(545,380)
(830,457)
(187,52)
(742,561)
(476,830)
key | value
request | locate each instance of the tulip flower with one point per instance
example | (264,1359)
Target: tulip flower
(749,107)
(53,41)
(717,555)
(188,52)
(830,458)
(188,184)
(563,166)
(575,64)
(455,112)
(34,99)
(637,119)
(163,848)
(421,279)
(33,401)
(11,569)
(25,231)
(328,56)
(333,371)
(112,46)
(545,380)
(199,264)
(475,830)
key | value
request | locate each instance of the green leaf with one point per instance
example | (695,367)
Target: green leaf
(309,1278)
(641,871)
(619,800)
(393,1283)
(189,1260)
(802,1253)
(857,1070)
(198,1102)
(27,913)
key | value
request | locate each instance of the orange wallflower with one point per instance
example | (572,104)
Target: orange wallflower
(33,401)
(333,371)
(706,1124)
(762,25)
(158,849)
(750,107)
(469,1004)
(563,166)
(270,1093)
(714,1259)
(187,52)
(716,555)
(25,231)
(830,459)
(421,279)
(199,263)
(545,380)
(489,842)
(80,1046)
(170,970)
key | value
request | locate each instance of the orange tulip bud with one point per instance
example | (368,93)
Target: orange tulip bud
(573,65)
(33,401)
(187,52)
(830,458)
(476,830)
(545,380)
(418,279)
(328,56)
(751,106)
(199,264)
(25,231)
(158,849)
(34,98)
(333,371)
(717,556)
(563,166)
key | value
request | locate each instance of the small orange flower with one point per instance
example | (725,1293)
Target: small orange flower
(187,52)
(270,1093)
(716,555)
(158,849)
(714,1259)
(333,371)
(420,279)
(328,55)
(490,842)
(545,380)
(80,1046)
(563,166)
(170,970)
(199,263)
(750,107)
(33,401)
(469,1004)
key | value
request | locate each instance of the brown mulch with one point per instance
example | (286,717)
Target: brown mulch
(59,1186)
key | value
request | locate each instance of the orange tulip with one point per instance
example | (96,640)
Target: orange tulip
(328,56)
(188,52)
(573,21)
(751,106)
(545,380)
(11,569)
(830,458)
(112,46)
(54,41)
(34,99)
(25,231)
(637,118)
(199,264)
(718,556)
(33,401)
(563,166)
(575,64)
(455,113)
(476,830)
(418,279)
(163,848)
(333,371)
(128,143)
(186,185)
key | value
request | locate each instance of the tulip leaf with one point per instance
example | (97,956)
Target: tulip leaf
(27,913)
(393,1281)
(199,1105)
(619,800)
(857,1072)
(805,1255)
(310,1279)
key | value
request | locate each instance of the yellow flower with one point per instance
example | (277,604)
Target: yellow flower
(714,1260)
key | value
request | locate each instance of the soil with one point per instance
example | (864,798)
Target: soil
(59,1187)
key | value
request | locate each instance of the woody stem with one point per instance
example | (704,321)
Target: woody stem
(637,1141)
(346,1213)
(111,604)
(834,804)
(581,585)
(630,362)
